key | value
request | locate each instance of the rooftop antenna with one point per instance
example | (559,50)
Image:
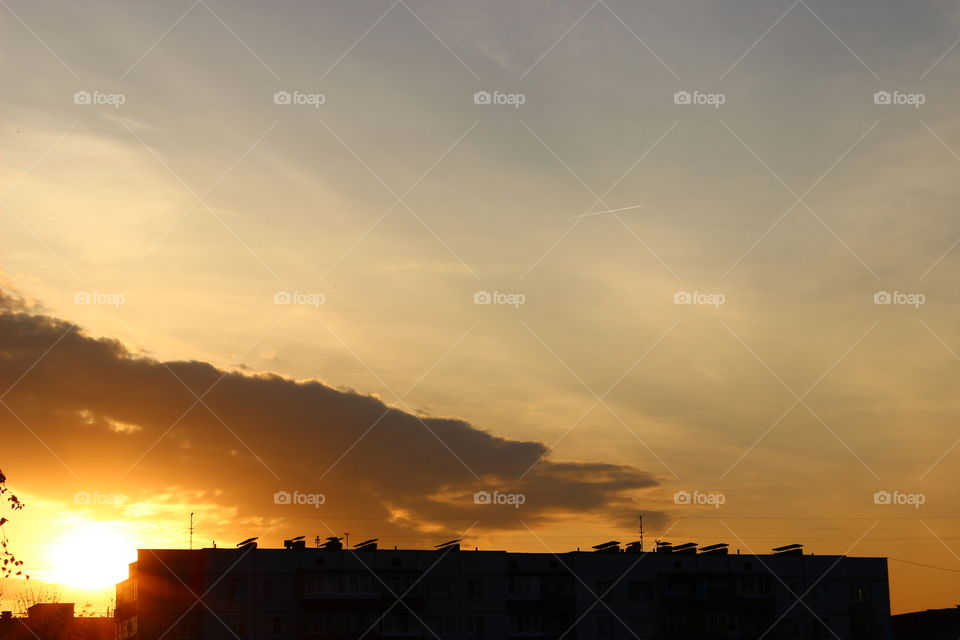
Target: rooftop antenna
(191,530)
(641,532)
(316,541)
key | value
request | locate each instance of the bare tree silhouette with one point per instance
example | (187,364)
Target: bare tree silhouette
(10,566)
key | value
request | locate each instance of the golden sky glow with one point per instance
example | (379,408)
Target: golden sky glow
(309,266)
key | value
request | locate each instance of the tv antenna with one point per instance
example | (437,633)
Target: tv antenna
(191,530)
(641,532)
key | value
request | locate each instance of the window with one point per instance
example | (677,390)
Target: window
(526,622)
(523,586)
(639,591)
(475,589)
(127,592)
(820,594)
(236,588)
(338,622)
(278,627)
(642,627)
(437,626)
(315,583)
(399,584)
(726,623)
(791,591)
(475,627)
(437,588)
(181,628)
(356,583)
(605,627)
(789,627)
(605,590)
(718,585)
(237,628)
(556,585)
(751,585)
(765,585)
(557,624)
(400,622)
(276,588)
(822,629)
(127,628)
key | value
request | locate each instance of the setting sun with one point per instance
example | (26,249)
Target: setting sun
(92,556)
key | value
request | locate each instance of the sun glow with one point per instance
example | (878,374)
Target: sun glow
(93,555)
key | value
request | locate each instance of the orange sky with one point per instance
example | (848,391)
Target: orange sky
(684,249)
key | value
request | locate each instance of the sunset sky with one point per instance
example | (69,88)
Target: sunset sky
(211,294)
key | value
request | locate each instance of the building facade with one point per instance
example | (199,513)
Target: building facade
(313,593)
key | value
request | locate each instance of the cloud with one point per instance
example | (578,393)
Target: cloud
(119,420)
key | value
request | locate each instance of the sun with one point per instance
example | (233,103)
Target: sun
(93,555)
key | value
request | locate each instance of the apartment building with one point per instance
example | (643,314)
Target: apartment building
(672,592)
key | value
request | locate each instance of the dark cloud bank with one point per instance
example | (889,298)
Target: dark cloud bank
(119,421)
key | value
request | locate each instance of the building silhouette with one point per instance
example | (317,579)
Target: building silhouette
(932,624)
(55,621)
(671,593)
